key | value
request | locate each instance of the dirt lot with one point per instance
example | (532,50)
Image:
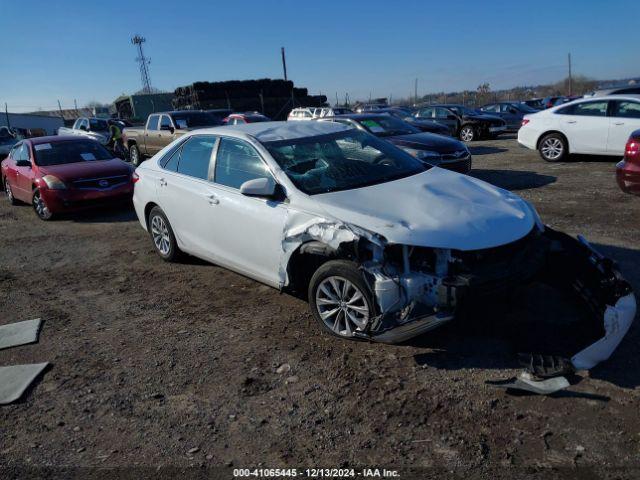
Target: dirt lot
(158,364)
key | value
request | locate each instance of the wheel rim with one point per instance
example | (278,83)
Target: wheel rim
(40,206)
(342,306)
(552,148)
(134,156)
(466,134)
(8,191)
(160,234)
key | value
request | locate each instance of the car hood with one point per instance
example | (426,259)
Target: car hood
(427,141)
(80,170)
(437,208)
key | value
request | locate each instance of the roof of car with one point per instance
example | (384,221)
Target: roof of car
(361,116)
(55,139)
(273,131)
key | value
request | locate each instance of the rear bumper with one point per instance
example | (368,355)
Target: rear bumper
(59,201)
(628,177)
(528,138)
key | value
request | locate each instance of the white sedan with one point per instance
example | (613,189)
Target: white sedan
(383,246)
(595,125)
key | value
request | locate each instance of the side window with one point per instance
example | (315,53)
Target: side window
(443,113)
(426,113)
(195,157)
(490,108)
(307,114)
(624,109)
(152,123)
(590,109)
(506,108)
(165,122)
(238,162)
(169,161)
(76,124)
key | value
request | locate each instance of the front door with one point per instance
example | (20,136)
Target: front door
(152,135)
(586,125)
(246,232)
(624,119)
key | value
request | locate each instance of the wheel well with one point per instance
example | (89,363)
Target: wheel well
(304,262)
(147,211)
(130,143)
(566,140)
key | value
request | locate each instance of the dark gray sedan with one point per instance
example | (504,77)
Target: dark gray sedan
(511,112)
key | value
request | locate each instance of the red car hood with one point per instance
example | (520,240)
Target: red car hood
(69,172)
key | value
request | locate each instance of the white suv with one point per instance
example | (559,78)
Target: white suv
(383,246)
(309,113)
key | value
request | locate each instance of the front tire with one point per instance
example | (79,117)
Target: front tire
(553,148)
(134,155)
(340,299)
(162,235)
(467,133)
(40,207)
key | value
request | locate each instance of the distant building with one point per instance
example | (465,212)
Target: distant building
(71,114)
(32,121)
(137,107)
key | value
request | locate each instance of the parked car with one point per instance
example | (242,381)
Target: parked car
(63,174)
(94,128)
(511,112)
(465,123)
(247,117)
(309,113)
(432,149)
(628,170)
(161,129)
(8,138)
(548,102)
(383,246)
(370,107)
(567,99)
(220,114)
(430,126)
(535,103)
(620,90)
(595,125)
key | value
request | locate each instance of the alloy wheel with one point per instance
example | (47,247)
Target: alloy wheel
(342,306)
(7,190)
(134,155)
(40,207)
(466,134)
(160,235)
(552,148)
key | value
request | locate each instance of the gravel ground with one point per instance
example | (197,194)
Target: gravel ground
(157,364)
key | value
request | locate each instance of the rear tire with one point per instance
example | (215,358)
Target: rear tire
(40,207)
(162,235)
(9,193)
(467,133)
(134,155)
(340,299)
(553,148)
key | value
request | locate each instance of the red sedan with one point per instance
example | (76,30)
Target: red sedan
(628,170)
(247,117)
(64,173)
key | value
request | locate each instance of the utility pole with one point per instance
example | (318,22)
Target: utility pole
(75,104)
(570,78)
(144,62)
(262,101)
(6,113)
(415,91)
(60,108)
(284,65)
(337,99)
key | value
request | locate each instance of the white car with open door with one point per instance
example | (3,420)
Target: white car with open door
(594,126)
(384,246)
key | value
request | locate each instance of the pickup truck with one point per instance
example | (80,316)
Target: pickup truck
(94,128)
(161,129)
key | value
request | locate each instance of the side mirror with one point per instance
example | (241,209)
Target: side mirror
(259,187)
(167,127)
(82,127)
(23,163)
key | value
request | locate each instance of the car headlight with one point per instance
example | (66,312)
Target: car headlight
(54,183)
(422,154)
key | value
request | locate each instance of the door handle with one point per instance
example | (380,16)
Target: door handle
(618,123)
(572,121)
(163,182)
(213,200)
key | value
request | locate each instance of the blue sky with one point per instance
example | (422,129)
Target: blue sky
(81,50)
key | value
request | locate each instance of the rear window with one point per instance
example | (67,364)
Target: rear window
(96,125)
(195,119)
(69,151)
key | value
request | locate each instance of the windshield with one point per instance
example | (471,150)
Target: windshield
(385,126)
(194,119)
(69,151)
(96,125)
(341,161)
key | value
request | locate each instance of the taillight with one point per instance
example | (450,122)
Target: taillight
(134,177)
(632,150)
(524,122)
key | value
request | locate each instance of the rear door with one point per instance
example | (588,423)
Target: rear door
(152,135)
(186,196)
(245,231)
(624,118)
(586,126)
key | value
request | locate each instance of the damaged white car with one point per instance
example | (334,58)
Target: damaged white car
(384,246)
